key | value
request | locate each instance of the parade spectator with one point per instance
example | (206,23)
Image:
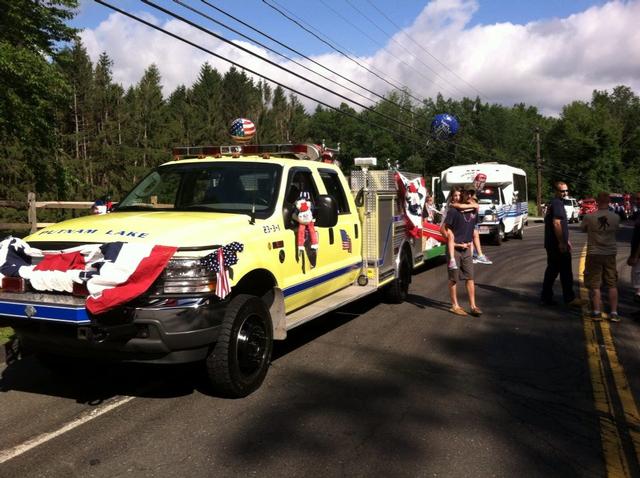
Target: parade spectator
(430,211)
(600,266)
(461,224)
(454,197)
(634,256)
(558,247)
(471,203)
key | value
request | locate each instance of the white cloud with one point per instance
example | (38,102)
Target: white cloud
(546,63)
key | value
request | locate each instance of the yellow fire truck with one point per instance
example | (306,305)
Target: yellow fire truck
(285,273)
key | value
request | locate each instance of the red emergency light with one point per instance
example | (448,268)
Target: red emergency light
(313,152)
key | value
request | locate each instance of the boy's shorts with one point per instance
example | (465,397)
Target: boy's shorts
(464,260)
(600,269)
(635,276)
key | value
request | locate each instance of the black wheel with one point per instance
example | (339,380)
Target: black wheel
(498,236)
(520,233)
(396,292)
(237,364)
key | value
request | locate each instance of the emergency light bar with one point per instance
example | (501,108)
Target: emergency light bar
(300,151)
(365,161)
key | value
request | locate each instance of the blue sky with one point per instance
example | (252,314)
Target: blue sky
(545,53)
(402,12)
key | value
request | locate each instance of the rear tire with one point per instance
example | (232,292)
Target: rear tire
(398,290)
(238,362)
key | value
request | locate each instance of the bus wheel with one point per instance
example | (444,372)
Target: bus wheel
(238,362)
(498,236)
(520,232)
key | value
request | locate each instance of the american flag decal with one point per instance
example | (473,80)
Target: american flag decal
(346,240)
(222,277)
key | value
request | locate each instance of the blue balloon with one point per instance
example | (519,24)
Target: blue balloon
(444,126)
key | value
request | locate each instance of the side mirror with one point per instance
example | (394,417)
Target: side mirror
(326,211)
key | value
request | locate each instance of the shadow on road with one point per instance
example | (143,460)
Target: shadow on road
(94,382)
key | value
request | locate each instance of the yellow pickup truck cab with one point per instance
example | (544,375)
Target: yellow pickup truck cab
(206,199)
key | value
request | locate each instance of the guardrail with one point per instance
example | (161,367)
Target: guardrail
(32,206)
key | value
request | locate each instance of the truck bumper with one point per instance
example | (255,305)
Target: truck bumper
(167,332)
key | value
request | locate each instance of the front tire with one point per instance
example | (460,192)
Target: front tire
(498,236)
(237,364)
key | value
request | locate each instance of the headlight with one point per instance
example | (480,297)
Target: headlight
(488,218)
(187,275)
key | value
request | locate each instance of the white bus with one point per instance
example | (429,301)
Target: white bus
(503,199)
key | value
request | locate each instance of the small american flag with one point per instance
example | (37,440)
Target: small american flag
(222,277)
(346,240)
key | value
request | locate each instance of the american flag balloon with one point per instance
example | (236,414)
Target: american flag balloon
(242,130)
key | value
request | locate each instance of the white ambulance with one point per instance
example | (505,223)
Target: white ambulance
(503,198)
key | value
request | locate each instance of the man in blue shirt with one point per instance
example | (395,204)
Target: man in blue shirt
(462,224)
(556,242)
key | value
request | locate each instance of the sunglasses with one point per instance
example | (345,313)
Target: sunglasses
(563,190)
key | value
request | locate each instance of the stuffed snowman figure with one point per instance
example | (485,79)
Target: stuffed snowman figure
(303,215)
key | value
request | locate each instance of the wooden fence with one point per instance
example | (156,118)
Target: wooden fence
(32,206)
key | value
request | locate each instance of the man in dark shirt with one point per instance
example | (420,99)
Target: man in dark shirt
(556,242)
(462,224)
(634,256)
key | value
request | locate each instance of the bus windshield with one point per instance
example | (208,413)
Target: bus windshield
(488,196)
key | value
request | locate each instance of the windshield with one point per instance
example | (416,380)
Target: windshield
(568,202)
(488,196)
(617,199)
(234,187)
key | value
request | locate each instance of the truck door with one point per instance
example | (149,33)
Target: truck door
(308,274)
(345,238)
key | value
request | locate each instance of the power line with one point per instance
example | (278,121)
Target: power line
(425,50)
(273,63)
(266,47)
(341,111)
(216,55)
(289,17)
(293,50)
(404,47)
(349,22)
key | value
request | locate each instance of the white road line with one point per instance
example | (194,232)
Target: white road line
(8,454)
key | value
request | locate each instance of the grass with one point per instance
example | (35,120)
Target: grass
(5,334)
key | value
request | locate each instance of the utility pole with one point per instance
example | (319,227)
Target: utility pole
(539,172)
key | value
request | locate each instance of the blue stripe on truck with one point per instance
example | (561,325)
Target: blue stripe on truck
(74,315)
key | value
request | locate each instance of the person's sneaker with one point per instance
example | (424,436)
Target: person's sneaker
(456,309)
(483,260)
(452,265)
(597,316)
(476,312)
(614,317)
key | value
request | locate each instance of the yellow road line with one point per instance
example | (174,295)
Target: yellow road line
(615,458)
(624,391)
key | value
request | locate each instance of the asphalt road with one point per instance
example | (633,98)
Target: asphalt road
(372,390)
